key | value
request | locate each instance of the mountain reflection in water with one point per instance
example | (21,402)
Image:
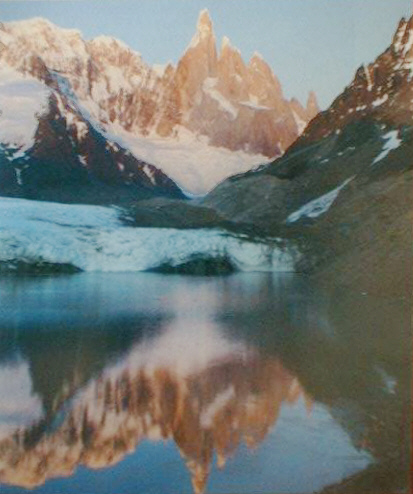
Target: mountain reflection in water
(218,367)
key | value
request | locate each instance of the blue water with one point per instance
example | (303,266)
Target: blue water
(146,383)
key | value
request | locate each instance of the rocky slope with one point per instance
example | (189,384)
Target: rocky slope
(209,96)
(50,148)
(343,191)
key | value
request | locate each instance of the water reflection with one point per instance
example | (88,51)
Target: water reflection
(212,366)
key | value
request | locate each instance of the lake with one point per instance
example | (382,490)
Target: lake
(150,383)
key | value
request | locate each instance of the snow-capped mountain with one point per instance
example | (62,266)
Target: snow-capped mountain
(342,192)
(172,117)
(382,90)
(51,148)
(237,105)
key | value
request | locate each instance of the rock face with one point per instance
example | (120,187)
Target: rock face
(235,105)
(52,148)
(343,191)
(381,90)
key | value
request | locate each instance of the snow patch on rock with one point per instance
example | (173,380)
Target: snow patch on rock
(392,142)
(225,105)
(318,206)
(301,124)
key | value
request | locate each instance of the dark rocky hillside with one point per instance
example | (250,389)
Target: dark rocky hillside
(343,191)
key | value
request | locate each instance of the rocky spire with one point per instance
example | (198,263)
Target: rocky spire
(204,31)
(204,24)
(198,63)
(312,105)
(403,42)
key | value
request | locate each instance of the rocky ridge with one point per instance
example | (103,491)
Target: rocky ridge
(51,148)
(343,192)
(235,105)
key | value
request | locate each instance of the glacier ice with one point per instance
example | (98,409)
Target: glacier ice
(93,238)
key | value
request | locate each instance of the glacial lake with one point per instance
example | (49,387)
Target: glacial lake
(156,384)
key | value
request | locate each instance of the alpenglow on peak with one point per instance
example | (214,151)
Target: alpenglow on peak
(204,24)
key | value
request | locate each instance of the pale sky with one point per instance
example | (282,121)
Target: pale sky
(310,44)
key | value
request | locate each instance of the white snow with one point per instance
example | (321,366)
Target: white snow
(318,206)
(368,77)
(160,69)
(18,176)
(220,400)
(225,42)
(195,165)
(22,100)
(399,37)
(301,124)
(60,48)
(392,142)
(203,29)
(188,159)
(110,41)
(149,173)
(117,80)
(380,101)
(257,54)
(409,44)
(19,407)
(405,55)
(73,120)
(209,88)
(92,238)
(255,106)
(406,58)
(389,382)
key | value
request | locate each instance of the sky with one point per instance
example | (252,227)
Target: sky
(310,44)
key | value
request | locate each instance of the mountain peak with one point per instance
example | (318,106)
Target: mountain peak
(312,105)
(257,55)
(204,30)
(110,41)
(227,45)
(225,42)
(403,33)
(40,25)
(204,24)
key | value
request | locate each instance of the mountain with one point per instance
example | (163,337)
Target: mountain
(187,120)
(51,148)
(237,105)
(342,193)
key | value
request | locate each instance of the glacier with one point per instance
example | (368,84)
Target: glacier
(94,238)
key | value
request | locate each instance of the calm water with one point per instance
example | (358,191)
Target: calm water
(144,383)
